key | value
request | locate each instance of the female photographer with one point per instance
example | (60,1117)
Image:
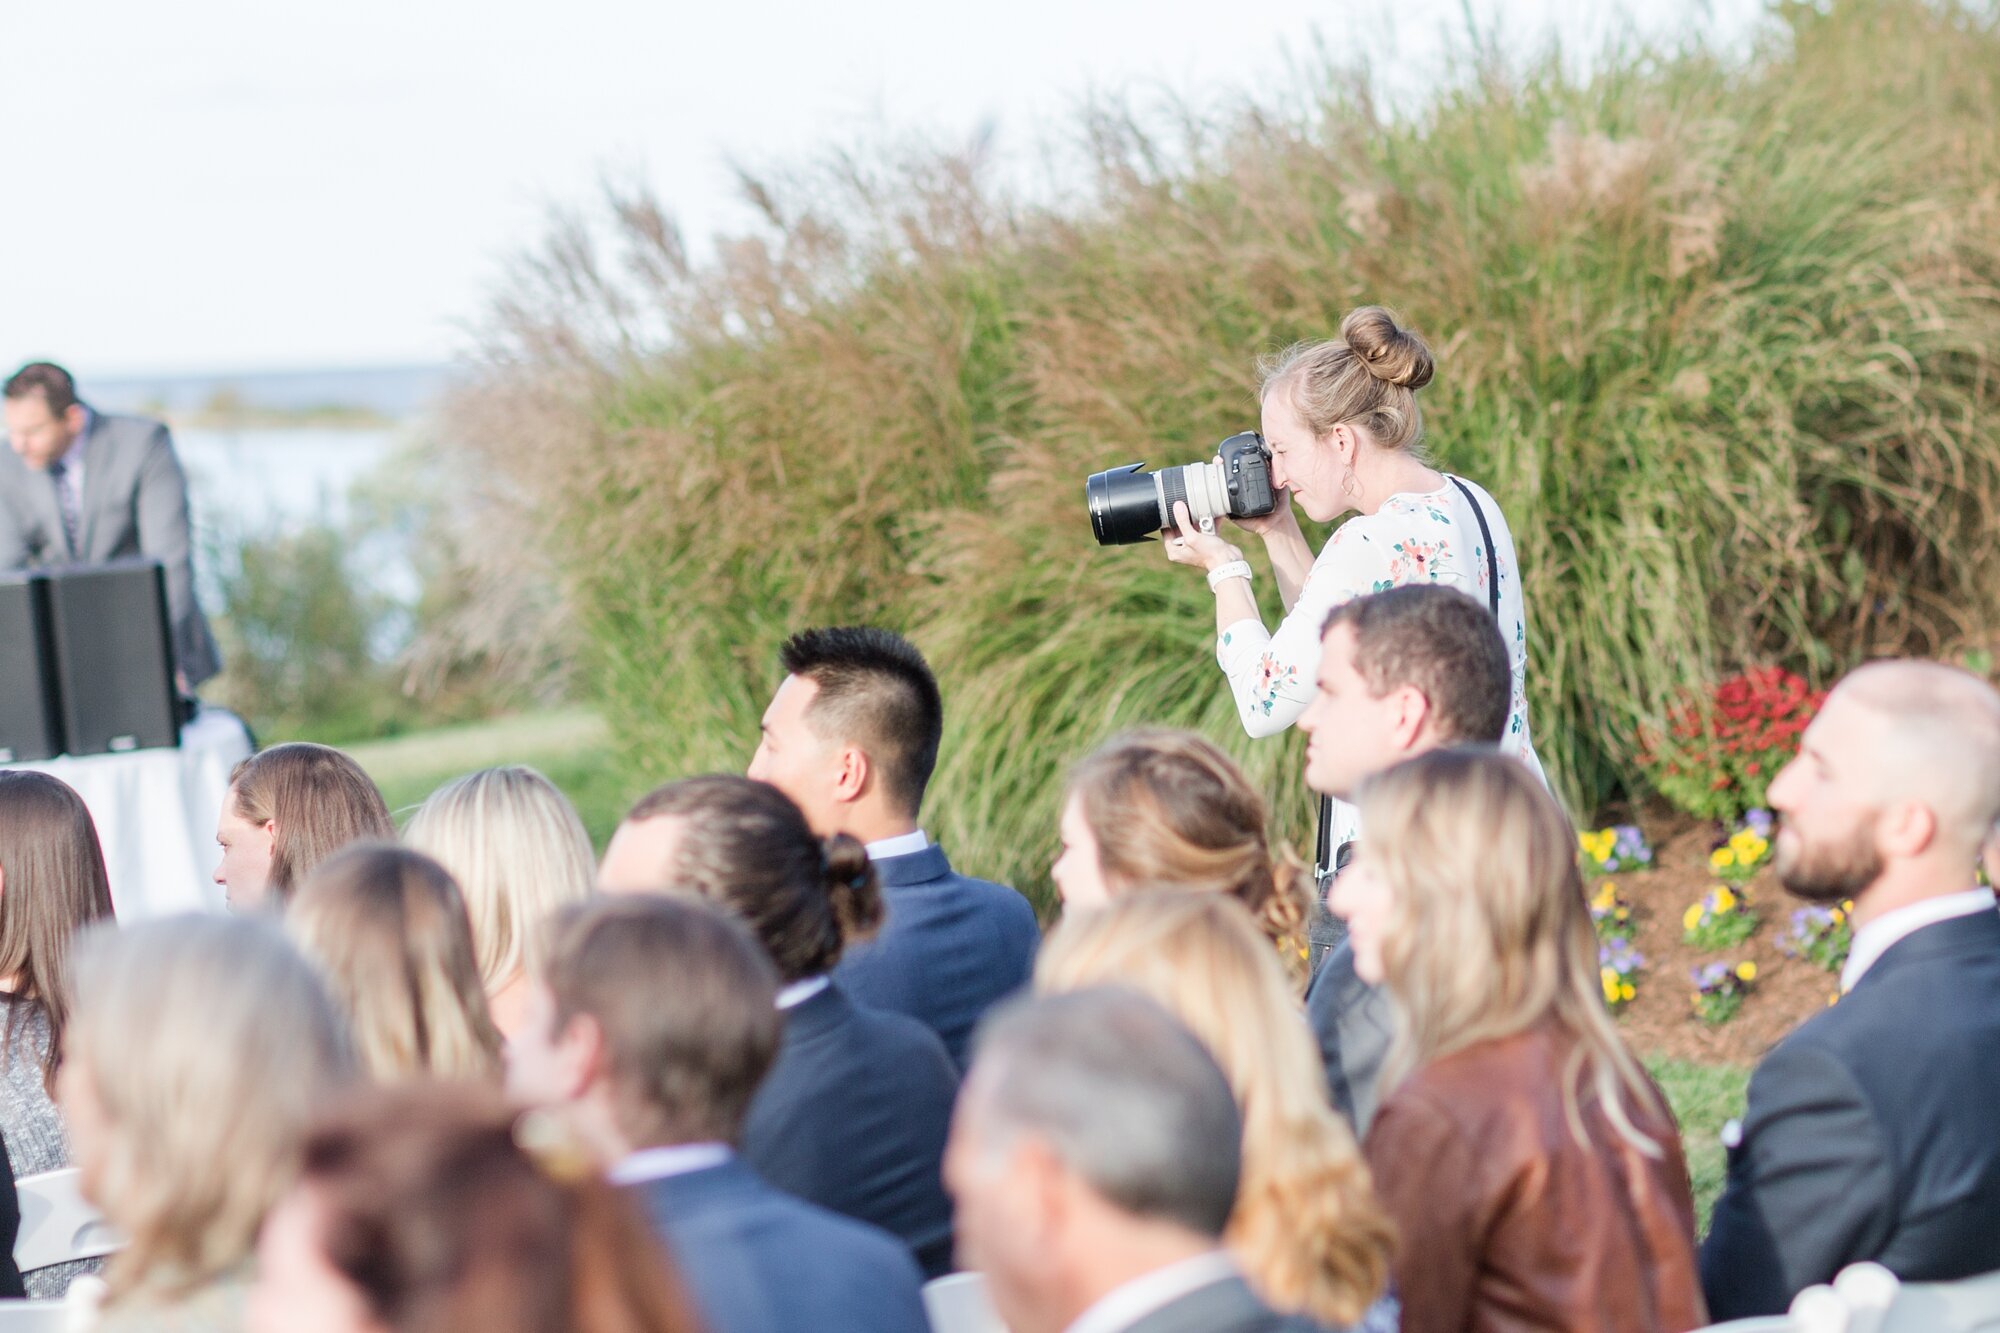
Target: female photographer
(1345,432)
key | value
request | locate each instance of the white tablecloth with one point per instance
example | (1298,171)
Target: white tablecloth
(156,813)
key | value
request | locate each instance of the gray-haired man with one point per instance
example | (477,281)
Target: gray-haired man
(1094,1158)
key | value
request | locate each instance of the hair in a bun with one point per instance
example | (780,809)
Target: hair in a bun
(1368,377)
(1388,351)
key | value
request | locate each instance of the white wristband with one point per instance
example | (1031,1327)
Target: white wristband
(1235,569)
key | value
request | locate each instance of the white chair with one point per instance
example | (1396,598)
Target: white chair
(33,1317)
(1969,1305)
(57,1226)
(958,1303)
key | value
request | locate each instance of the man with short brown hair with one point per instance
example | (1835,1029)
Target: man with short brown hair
(84,487)
(655,1082)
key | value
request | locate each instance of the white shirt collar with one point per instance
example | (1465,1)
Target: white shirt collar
(677,1159)
(1127,1305)
(901,845)
(798,992)
(1874,939)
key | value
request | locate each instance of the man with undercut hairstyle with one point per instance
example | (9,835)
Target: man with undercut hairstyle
(1871,1129)
(1402,671)
(852,737)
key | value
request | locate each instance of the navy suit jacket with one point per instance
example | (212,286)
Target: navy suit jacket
(1873,1132)
(853,1117)
(949,948)
(757,1260)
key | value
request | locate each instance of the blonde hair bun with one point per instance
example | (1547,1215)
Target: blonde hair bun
(1387,350)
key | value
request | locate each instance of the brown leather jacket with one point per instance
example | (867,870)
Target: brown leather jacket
(1508,1223)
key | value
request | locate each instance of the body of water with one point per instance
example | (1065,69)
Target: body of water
(259,483)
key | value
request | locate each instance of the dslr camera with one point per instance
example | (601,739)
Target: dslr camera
(1129,505)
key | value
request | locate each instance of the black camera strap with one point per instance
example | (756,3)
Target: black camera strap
(1492,557)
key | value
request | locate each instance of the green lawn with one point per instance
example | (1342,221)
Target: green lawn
(1703,1097)
(570,746)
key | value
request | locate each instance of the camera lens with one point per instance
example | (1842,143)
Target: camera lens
(1124,505)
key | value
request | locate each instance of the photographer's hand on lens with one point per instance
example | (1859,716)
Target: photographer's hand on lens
(1189,545)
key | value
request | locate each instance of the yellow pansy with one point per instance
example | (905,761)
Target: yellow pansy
(1725,901)
(1623,914)
(1692,917)
(1607,897)
(1722,858)
(1627,991)
(1747,970)
(1749,848)
(1838,916)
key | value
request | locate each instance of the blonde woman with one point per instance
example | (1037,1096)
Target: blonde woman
(1307,1229)
(1168,810)
(388,930)
(199,1050)
(1346,435)
(518,851)
(1535,1166)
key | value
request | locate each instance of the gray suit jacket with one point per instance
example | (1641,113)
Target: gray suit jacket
(1354,1026)
(134,503)
(1228,1306)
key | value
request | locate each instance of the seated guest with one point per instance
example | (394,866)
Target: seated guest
(1094,1163)
(388,931)
(420,1210)
(1306,1229)
(199,1050)
(1167,810)
(1402,672)
(852,737)
(1870,1129)
(289,808)
(649,1029)
(856,1110)
(52,884)
(518,851)
(1531,1166)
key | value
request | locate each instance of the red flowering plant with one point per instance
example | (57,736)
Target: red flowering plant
(1719,754)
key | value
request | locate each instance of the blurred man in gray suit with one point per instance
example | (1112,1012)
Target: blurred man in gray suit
(83,488)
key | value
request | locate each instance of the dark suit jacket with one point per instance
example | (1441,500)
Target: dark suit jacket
(1228,1306)
(950,947)
(757,1260)
(1873,1132)
(11,1286)
(853,1117)
(1352,1022)
(134,503)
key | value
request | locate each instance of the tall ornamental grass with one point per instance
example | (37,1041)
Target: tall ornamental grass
(1719,334)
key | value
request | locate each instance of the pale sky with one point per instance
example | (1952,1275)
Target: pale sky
(248,184)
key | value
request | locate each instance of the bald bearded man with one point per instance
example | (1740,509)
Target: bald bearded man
(1871,1132)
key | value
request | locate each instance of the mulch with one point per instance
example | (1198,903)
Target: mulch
(1660,1020)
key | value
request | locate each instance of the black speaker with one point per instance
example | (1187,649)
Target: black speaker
(30,716)
(114,660)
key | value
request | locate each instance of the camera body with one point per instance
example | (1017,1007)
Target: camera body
(1130,505)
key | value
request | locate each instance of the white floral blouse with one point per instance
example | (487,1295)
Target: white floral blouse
(1429,538)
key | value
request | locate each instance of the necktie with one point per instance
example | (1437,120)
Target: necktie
(66,501)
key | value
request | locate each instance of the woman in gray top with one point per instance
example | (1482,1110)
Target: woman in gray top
(52,882)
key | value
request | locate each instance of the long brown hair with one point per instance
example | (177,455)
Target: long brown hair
(1489,934)
(1307,1227)
(388,929)
(1169,810)
(52,884)
(320,800)
(431,1207)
